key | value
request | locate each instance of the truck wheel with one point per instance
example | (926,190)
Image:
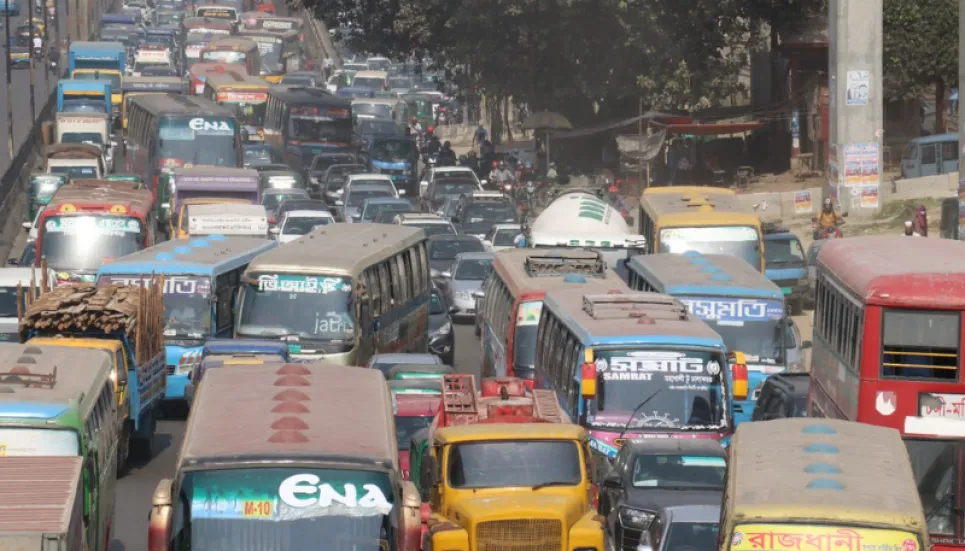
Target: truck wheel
(123,450)
(143,447)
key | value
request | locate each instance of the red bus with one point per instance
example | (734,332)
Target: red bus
(887,351)
(89,222)
(513,299)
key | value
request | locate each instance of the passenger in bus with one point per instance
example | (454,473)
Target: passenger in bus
(700,412)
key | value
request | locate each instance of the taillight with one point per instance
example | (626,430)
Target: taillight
(738,370)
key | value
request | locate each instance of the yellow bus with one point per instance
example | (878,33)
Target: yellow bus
(821,485)
(243,95)
(234,50)
(707,220)
(281,52)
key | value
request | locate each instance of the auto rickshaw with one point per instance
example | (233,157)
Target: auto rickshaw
(162,201)
(420,107)
(42,188)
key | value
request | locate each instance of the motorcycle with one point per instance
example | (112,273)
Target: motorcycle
(831,232)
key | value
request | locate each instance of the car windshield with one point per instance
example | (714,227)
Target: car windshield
(691,536)
(82,137)
(271,200)
(377,110)
(752,326)
(257,154)
(679,472)
(783,252)
(305,307)
(505,237)
(436,306)
(303,225)
(371,211)
(321,163)
(394,150)
(454,187)
(433,228)
(8,302)
(472,270)
(405,427)
(86,242)
(514,463)
(158,71)
(447,249)
(740,241)
(356,196)
(490,212)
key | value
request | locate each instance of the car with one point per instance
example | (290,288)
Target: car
(354,194)
(649,474)
(463,279)
(27,257)
(376,205)
(258,154)
(448,207)
(385,362)
(479,211)
(367,179)
(334,178)
(271,198)
(445,187)
(297,223)
(812,265)
(307,79)
(296,204)
(501,237)
(389,216)
(322,161)
(683,528)
(783,395)
(448,172)
(432,224)
(443,249)
(786,265)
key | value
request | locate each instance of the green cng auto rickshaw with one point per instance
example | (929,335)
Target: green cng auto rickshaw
(42,188)
(420,107)
(126,178)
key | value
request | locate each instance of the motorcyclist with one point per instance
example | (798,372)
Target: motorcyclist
(433,147)
(447,157)
(551,173)
(829,218)
(502,175)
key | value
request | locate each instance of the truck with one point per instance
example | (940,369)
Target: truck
(83,96)
(51,519)
(506,467)
(105,61)
(81,128)
(125,321)
(227,219)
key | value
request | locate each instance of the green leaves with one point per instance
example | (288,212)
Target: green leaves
(920,46)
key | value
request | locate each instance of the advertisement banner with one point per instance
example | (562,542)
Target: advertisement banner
(803,203)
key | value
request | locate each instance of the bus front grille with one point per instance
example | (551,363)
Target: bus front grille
(520,535)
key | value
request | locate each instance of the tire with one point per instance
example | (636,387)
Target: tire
(142,449)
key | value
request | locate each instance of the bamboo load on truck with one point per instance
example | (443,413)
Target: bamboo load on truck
(127,322)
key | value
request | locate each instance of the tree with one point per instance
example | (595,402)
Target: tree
(920,50)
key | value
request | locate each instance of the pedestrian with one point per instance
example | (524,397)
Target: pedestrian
(920,222)
(479,137)
(328,65)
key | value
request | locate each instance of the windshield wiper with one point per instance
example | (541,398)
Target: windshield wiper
(552,483)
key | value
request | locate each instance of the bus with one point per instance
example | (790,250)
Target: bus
(244,95)
(199,72)
(167,131)
(278,23)
(65,412)
(634,364)
(740,303)
(281,52)
(234,50)
(821,485)
(139,86)
(708,220)
(512,299)
(89,221)
(302,122)
(888,351)
(195,41)
(200,278)
(61,503)
(341,293)
(295,481)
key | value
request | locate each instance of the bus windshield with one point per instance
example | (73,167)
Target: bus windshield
(308,128)
(394,150)
(251,114)
(75,171)
(113,78)
(224,56)
(82,137)
(740,241)
(682,389)
(306,307)
(269,49)
(755,327)
(302,506)
(31,442)
(187,313)
(198,140)
(377,110)
(85,242)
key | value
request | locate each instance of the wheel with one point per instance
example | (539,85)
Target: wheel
(142,448)
(123,450)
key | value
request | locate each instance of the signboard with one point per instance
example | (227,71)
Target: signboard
(155,56)
(933,404)
(303,284)
(528,313)
(173,285)
(228,225)
(859,85)
(680,370)
(251,97)
(277,25)
(813,537)
(734,311)
(803,203)
(227,183)
(104,224)
(217,13)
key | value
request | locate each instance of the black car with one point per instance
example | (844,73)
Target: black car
(334,178)
(650,474)
(443,249)
(322,161)
(308,79)
(783,395)
(477,215)
(442,340)
(447,186)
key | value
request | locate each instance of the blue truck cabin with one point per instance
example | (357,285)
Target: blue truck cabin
(201,276)
(93,90)
(737,301)
(785,263)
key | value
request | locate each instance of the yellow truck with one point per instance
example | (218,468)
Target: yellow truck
(524,486)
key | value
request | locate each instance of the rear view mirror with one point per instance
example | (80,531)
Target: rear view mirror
(27,226)
(446,275)
(13,262)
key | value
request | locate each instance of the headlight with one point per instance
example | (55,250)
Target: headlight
(635,518)
(444,330)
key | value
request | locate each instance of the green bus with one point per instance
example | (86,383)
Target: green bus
(59,401)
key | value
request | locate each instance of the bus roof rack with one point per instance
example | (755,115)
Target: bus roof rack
(22,375)
(630,305)
(548,265)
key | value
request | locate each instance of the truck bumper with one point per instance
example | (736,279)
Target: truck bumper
(175,387)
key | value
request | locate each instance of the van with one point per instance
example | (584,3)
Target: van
(930,155)
(373,80)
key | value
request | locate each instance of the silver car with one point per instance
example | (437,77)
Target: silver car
(464,278)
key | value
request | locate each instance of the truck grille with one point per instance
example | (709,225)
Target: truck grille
(520,535)
(628,538)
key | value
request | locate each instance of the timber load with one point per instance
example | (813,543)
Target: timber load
(108,311)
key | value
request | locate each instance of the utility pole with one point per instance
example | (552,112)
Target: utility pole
(958,113)
(34,59)
(6,26)
(857,120)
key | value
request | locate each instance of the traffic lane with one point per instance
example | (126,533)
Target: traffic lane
(134,491)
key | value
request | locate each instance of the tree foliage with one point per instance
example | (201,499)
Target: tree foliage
(920,47)
(592,59)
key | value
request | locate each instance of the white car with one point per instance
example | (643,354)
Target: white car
(296,223)
(441,171)
(501,237)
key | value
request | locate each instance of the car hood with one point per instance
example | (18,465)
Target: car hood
(350,212)
(654,499)
(435,322)
(464,286)
(440,265)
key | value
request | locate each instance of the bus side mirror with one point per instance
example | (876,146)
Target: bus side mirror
(588,376)
(159,519)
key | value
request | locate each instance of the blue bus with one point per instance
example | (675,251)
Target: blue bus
(201,280)
(736,300)
(634,364)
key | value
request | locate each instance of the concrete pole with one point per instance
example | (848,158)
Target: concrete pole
(857,119)
(961,121)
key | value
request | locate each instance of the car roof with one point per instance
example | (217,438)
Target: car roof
(476,256)
(366,187)
(683,446)
(422,217)
(498,227)
(693,513)
(452,169)
(451,237)
(369,176)
(288,203)
(308,213)
(343,165)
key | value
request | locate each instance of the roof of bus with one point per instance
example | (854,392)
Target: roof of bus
(704,275)
(106,193)
(301,95)
(675,206)
(181,104)
(515,268)
(931,273)
(211,255)
(231,43)
(291,412)
(822,470)
(629,317)
(231,79)
(101,47)
(276,33)
(77,371)
(39,494)
(337,249)
(509,431)
(149,84)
